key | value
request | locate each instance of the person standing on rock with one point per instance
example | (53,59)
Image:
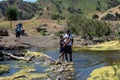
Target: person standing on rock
(61,56)
(18,31)
(68,42)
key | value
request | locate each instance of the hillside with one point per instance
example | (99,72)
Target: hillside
(112,11)
(58,8)
(86,8)
(26,10)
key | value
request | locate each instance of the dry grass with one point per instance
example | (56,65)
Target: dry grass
(31,25)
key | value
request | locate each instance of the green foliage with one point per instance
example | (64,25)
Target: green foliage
(43,32)
(59,33)
(68,7)
(22,7)
(57,17)
(100,6)
(112,3)
(64,7)
(74,10)
(11,13)
(87,27)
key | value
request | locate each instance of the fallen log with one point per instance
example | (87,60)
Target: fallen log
(18,58)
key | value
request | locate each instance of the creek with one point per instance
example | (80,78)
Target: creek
(84,62)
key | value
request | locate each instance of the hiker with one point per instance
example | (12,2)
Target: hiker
(18,31)
(61,56)
(68,42)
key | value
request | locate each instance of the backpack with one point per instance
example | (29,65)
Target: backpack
(18,29)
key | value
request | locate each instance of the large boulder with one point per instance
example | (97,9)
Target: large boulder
(3,32)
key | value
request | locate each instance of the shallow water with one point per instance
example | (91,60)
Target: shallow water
(15,66)
(84,62)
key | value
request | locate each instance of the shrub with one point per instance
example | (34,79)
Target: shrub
(59,33)
(87,27)
(43,32)
(71,9)
(109,17)
(57,16)
(95,16)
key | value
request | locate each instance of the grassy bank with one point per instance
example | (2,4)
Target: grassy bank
(106,46)
(106,73)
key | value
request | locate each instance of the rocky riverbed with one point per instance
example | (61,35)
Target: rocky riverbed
(61,71)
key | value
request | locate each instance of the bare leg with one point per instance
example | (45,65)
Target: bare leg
(61,55)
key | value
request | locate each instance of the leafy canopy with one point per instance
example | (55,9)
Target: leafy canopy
(11,13)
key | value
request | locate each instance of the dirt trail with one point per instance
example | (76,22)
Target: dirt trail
(111,11)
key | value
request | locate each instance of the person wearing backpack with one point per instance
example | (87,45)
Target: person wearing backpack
(68,42)
(18,31)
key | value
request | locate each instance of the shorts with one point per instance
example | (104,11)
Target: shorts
(68,49)
(18,34)
(61,50)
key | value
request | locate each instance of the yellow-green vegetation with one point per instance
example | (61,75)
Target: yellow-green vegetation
(27,72)
(36,54)
(24,74)
(4,68)
(106,73)
(106,46)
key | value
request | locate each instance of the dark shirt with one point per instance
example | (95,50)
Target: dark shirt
(61,45)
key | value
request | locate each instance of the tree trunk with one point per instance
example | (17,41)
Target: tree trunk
(18,58)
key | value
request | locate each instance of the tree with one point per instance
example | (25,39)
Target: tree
(11,14)
(89,28)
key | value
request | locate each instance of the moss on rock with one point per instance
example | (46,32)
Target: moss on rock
(4,68)
(25,74)
(105,73)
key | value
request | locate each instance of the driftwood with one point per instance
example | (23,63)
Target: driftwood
(16,57)
(48,57)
